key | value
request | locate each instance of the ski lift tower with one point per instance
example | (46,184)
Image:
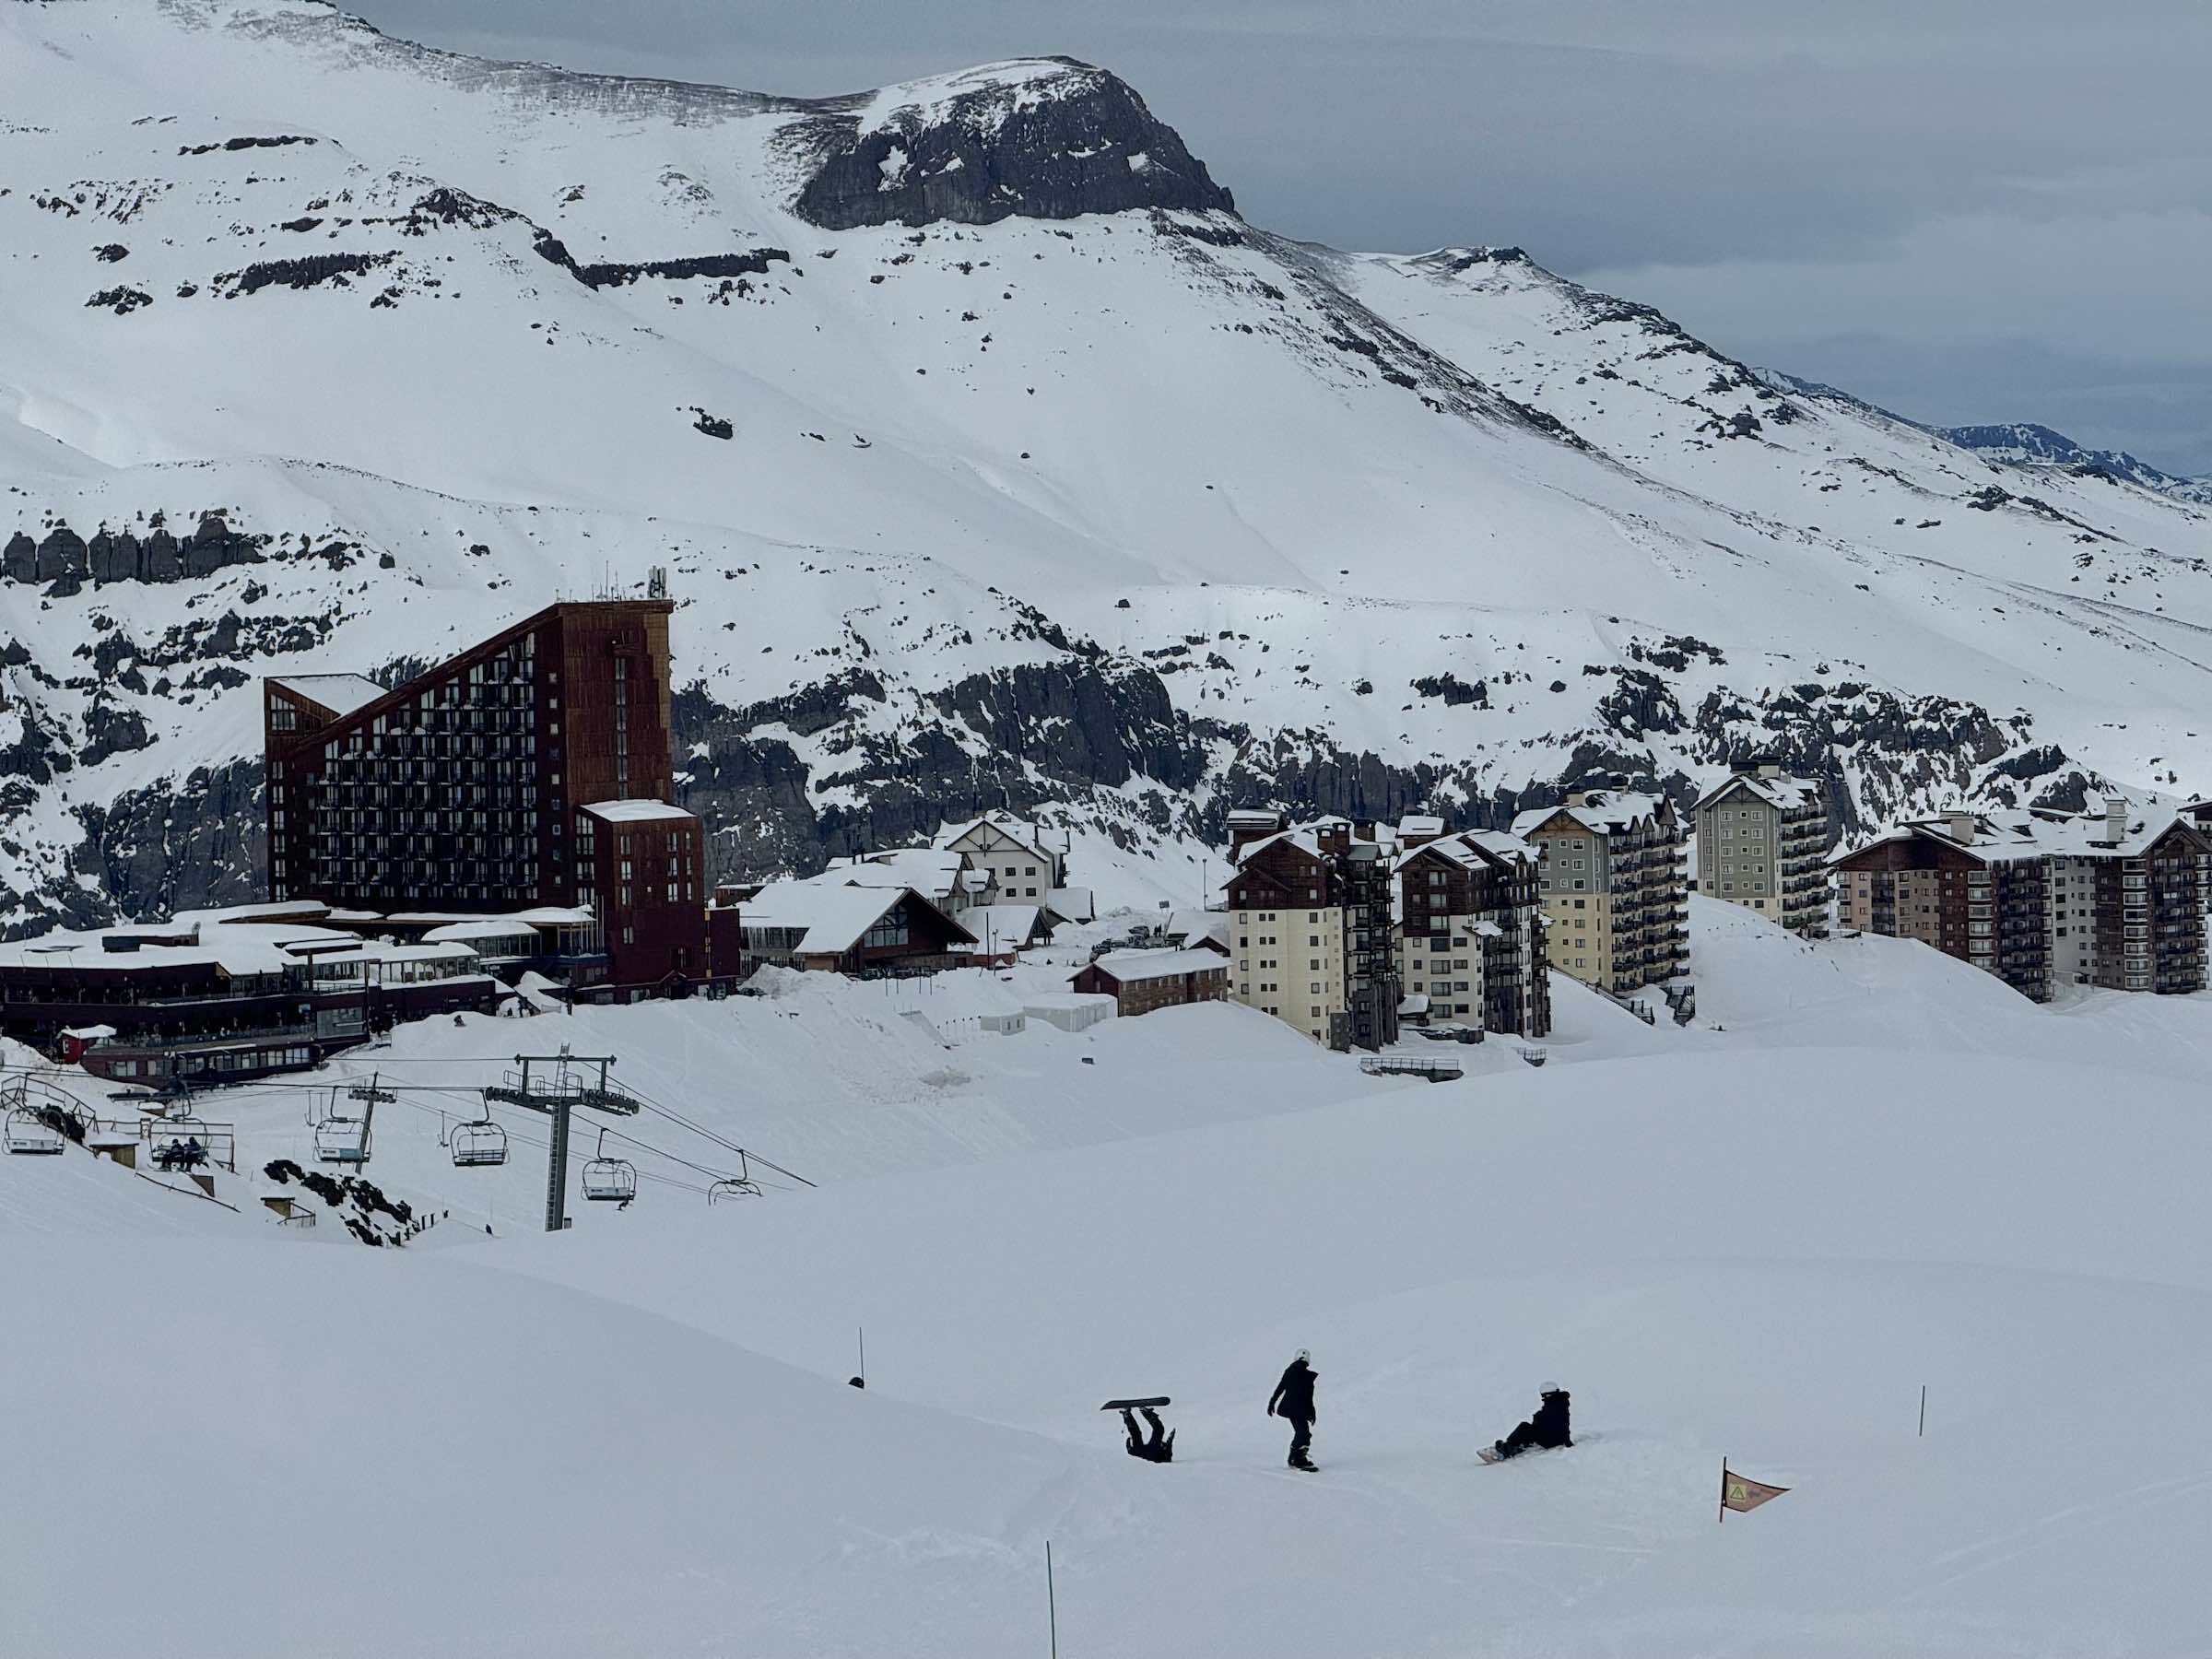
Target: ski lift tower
(557,1093)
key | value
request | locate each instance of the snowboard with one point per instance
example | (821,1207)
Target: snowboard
(1490,1455)
(1135,1404)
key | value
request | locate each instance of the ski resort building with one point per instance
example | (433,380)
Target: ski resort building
(1471,937)
(1615,887)
(1762,843)
(224,996)
(2112,898)
(830,924)
(1142,981)
(530,770)
(1310,913)
(1024,860)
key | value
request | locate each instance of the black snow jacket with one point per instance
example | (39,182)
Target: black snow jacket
(1293,1396)
(1551,1422)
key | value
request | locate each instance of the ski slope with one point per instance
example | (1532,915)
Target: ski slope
(1865,1169)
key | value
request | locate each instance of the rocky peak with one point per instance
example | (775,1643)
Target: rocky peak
(1032,138)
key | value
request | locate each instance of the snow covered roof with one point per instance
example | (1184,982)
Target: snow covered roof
(1032,837)
(1072,903)
(832,915)
(1188,926)
(931,870)
(1778,789)
(1601,811)
(238,947)
(637,812)
(2008,835)
(489,927)
(1129,966)
(1471,848)
(1420,824)
(289,910)
(340,693)
(1002,926)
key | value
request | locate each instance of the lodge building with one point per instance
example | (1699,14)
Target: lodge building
(530,771)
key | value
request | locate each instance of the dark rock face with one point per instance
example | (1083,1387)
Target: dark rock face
(160,850)
(66,560)
(1074,142)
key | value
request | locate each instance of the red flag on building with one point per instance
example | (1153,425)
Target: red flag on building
(1742,1494)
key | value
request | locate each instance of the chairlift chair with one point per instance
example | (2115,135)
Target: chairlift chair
(478,1145)
(341,1140)
(27,1134)
(730,1187)
(175,1131)
(609,1180)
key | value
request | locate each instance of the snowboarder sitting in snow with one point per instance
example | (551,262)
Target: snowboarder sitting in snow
(1293,1402)
(1545,1429)
(1159,1446)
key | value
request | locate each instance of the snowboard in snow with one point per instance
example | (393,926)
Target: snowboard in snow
(1490,1455)
(1135,1405)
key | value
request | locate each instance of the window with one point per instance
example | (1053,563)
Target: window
(888,932)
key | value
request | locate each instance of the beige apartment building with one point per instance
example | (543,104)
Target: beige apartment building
(1762,843)
(1310,930)
(1615,887)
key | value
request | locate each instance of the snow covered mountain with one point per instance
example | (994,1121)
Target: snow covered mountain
(2026,444)
(994,457)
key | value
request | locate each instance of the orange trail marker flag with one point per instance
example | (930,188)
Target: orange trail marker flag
(1743,1494)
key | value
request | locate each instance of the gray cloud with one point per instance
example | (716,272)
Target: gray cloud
(1846,191)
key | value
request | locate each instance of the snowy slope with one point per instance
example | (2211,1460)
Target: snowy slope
(1062,488)
(1758,1242)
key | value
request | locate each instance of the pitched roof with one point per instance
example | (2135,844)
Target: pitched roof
(832,914)
(2008,835)
(340,693)
(1032,837)
(931,870)
(1780,790)
(1472,848)
(1601,811)
(1131,966)
(1004,926)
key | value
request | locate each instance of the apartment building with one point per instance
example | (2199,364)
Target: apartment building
(1762,843)
(2111,898)
(1615,887)
(1310,913)
(530,770)
(1471,939)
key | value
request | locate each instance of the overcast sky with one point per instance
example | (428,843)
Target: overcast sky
(1969,210)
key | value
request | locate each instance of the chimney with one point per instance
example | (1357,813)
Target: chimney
(2116,817)
(1959,826)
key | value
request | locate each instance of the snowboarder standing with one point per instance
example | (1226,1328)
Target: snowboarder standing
(1293,1401)
(1547,1428)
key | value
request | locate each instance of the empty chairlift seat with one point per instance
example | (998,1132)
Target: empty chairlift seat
(342,1140)
(609,1180)
(479,1145)
(27,1134)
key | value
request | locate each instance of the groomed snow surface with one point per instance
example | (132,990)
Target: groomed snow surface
(1882,1171)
